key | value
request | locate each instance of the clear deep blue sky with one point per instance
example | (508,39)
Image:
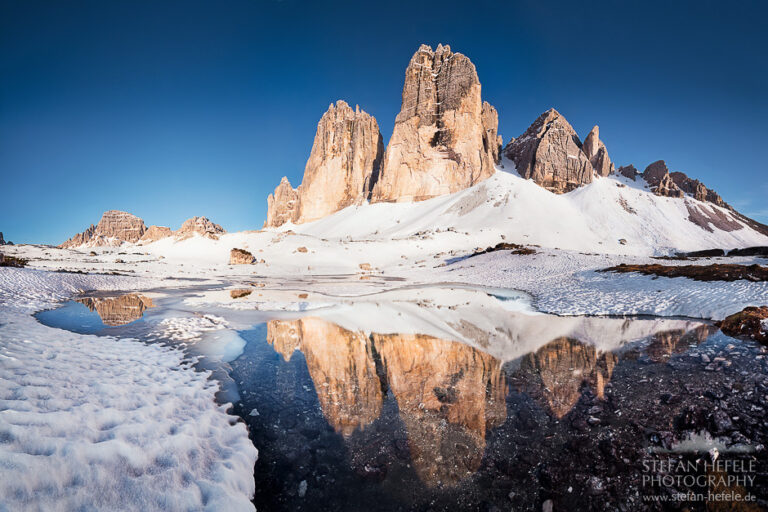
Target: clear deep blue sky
(175,109)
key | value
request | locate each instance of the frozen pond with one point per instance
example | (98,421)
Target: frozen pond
(455,398)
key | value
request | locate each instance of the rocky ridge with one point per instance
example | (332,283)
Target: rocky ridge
(445,139)
(116,228)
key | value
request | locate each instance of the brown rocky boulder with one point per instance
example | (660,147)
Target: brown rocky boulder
(155,233)
(445,137)
(597,153)
(750,323)
(550,153)
(198,226)
(240,257)
(114,228)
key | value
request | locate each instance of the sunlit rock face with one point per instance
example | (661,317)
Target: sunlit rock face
(114,228)
(341,170)
(343,164)
(550,153)
(556,373)
(445,137)
(341,365)
(449,395)
(282,205)
(118,310)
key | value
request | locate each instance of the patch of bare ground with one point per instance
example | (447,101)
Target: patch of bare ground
(12,261)
(504,246)
(750,323)
(713,272)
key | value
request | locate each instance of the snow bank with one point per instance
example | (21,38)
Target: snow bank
(97,423)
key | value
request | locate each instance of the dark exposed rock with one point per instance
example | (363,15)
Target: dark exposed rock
(751,323)
(550,153)
(714,272)
(628,171)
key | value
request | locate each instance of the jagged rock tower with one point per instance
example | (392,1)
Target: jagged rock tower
(341,170)
(445,137)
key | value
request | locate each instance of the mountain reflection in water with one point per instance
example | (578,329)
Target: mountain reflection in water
(120,310)
(449,394)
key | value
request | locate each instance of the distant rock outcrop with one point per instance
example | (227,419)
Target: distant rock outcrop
(155,233)
(200,226)
(697,189)
(658,178)
(550,153)
(445,137)
(597,153)
(628,171)
(2,240)
(114,228)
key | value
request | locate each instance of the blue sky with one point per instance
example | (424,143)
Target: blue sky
(175,109)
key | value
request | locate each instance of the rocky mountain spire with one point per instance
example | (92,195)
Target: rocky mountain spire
(597,153)
(342,168)
(282,206)
(550,153)
(343,163)
(445,137)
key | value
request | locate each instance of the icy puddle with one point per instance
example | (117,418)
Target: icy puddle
(453,398)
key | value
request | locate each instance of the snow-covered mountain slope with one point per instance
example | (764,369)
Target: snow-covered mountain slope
(611,215)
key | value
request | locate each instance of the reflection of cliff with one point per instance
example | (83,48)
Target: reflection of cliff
(556,372)
(449,394)
(676,341)
(118,310)
(341,365)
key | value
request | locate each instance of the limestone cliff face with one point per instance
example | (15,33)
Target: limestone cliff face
(341,170)
(697,189)
(114,228)
(343,164)
(198,226)
(550,153)
(445,137)
(283,205)
(597,153)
